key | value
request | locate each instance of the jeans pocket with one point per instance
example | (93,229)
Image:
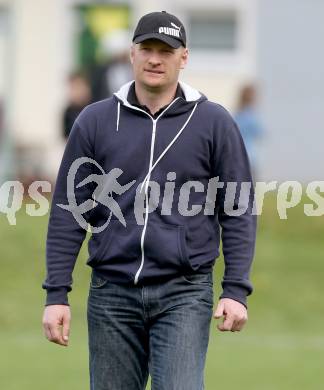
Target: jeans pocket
(97,281)
(199,278)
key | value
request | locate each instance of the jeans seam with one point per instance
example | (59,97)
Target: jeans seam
(146,316)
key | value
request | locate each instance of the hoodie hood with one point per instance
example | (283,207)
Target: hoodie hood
(177,106)
(191,94)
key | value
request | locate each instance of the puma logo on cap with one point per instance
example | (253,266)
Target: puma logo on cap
(169,31)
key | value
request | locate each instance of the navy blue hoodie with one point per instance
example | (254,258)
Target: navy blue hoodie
(192,140)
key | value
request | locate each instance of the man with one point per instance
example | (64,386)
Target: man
(79,97)
(116,70)
(249,123)
(151,291)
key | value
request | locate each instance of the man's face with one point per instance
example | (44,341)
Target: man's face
(156,65)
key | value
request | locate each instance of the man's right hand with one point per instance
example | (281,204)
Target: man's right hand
(56,323)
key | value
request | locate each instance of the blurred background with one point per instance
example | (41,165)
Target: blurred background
(264,61)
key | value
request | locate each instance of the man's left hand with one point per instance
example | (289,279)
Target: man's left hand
(235,315)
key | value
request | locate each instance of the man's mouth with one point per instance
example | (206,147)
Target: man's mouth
(154,71)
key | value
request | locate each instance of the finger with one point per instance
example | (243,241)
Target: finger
(66,329)
(219,311)
(55,330)
(238,325)
(226,325)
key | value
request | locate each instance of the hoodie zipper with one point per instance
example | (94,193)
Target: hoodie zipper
(147,179)
(151,167)
(146,204)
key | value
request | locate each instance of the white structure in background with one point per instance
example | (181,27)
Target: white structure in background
(231,42)
(290,60)
(6,157)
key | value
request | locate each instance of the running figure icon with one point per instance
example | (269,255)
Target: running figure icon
(107,184)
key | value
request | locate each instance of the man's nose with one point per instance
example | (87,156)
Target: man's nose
(154,59)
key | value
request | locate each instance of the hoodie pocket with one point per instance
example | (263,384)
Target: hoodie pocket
(165,249)
(117,244)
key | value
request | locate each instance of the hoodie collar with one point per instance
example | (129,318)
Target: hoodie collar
(133,100)
(178,106)
(190,93)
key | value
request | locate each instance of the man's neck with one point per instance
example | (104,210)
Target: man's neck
(155,99)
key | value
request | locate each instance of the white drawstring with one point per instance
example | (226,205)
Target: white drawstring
(118,115)
(168,147)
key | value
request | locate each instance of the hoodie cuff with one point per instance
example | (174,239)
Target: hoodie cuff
(57,296)
(237,293)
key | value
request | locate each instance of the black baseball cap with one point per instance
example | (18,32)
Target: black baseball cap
(162,26)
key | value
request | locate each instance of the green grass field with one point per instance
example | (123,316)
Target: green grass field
(281,347)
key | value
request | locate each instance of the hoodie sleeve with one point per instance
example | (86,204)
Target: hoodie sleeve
(65,235)
(235,210)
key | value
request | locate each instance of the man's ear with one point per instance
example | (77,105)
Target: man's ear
(184,58)
(131,54)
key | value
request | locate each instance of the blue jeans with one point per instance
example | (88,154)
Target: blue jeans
(161,329)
